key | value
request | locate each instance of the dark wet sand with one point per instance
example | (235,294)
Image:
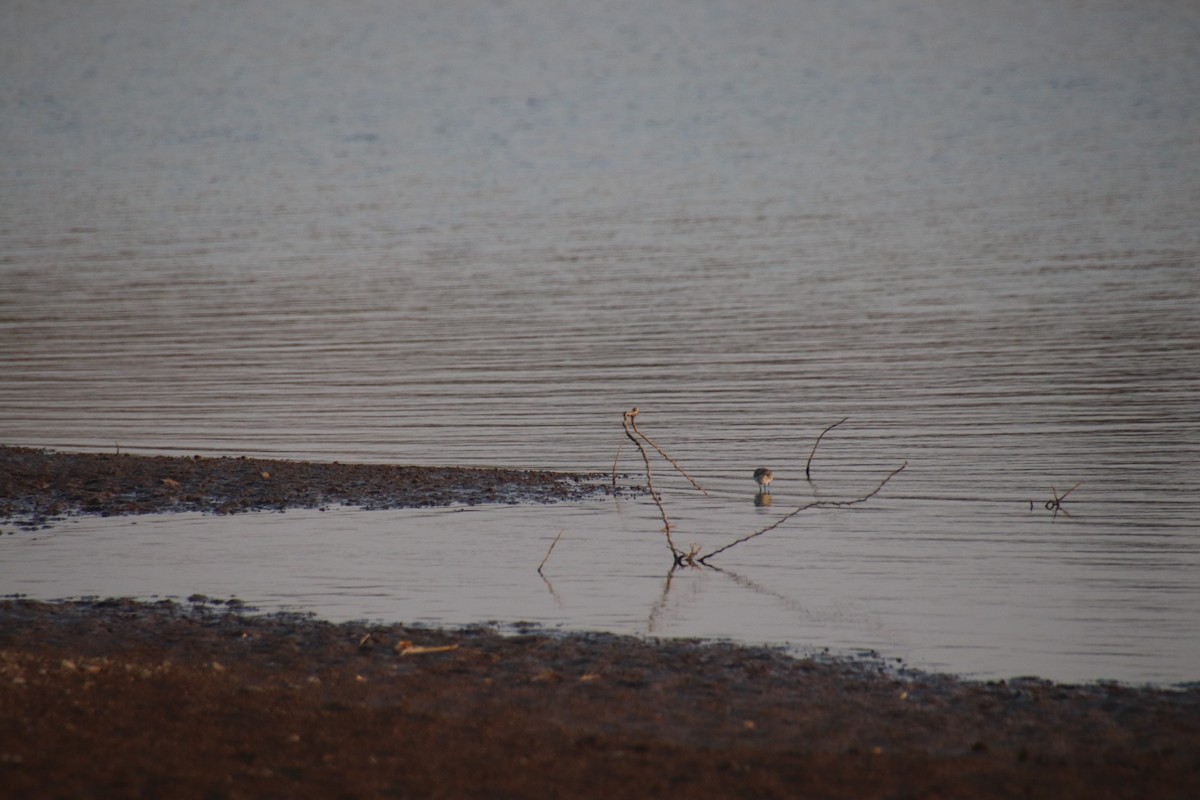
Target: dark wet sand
(120,699)
(40,486)
(126,699)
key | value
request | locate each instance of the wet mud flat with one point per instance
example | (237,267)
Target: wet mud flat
(118,698)
(38,487)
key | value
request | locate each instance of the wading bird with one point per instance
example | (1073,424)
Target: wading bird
(763,477)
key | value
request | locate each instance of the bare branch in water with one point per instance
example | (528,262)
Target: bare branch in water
(616,458)
(627,423)
(693,556)
(1055,505)
(815,504)
(663,453)
(808,466)
(551,550)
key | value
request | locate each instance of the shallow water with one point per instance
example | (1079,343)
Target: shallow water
(476,233)
(1071,600)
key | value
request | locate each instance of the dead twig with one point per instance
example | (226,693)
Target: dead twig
(693,557)
(808,466)
(661,452)
(407,648)
(614,471)
(627,423)
(1055,505)
(812,505)
(551,550)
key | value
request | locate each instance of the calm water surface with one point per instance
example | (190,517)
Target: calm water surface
(475,233)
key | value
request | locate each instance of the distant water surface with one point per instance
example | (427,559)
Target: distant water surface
(475,233)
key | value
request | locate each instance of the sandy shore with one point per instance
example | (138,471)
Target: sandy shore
(124,699)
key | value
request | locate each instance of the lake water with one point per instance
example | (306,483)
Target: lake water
(477,232)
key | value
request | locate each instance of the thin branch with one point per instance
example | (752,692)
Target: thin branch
(1057,499)
(1055,505)
(616,458)
(808,466)
(627,422)
(663,453)
(551,550)
(815,504)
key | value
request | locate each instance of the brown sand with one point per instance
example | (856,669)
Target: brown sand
(120,699)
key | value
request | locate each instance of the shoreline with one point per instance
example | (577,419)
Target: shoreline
(126,698)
